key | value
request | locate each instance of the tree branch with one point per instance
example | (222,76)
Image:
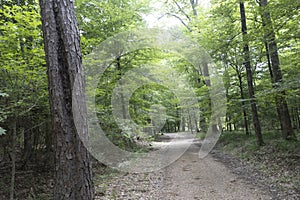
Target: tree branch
(181,20)
(182,11)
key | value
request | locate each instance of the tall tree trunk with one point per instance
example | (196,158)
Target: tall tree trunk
(272,80)
(205,72)
(256,121)
(243,102)
(73,176)
(282,106)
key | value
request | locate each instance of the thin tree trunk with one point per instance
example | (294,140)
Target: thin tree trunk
(230,126)
(256,121)
(121,88)
(283,110)
(205,73)
(194,4)
(73,176)
(243,102)
(190,122)
(207,81)
(28,147)
(297,118)
(272,80)
(177,121)
(13,160)
(49,144)
(182,124)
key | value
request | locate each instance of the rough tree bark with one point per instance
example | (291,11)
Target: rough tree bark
(271,46)
(247,63)
(73,177)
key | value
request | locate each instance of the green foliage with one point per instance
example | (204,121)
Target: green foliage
(99,20)
(141,102)
(150,95)
(23,81)
(218,31)
(238,143)
(201,135)
(23,72)
(245,146)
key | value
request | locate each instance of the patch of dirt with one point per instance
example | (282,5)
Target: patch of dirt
(131,186)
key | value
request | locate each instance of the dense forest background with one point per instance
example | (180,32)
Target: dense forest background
(255,45)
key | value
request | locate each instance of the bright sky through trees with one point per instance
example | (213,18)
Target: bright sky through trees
(158,17)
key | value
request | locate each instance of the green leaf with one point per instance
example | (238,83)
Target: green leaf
(2,131)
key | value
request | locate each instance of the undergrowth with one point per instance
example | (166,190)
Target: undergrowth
(278,159)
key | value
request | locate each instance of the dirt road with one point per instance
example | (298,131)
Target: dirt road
(187,178)
(193,178)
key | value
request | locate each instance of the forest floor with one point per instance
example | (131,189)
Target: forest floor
(217,176)
(263,173)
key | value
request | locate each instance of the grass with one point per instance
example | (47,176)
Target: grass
(238,142)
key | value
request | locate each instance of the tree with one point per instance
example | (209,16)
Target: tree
(73,177)
(275,71)
(247,63)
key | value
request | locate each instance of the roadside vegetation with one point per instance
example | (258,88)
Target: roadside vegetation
(278,160)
